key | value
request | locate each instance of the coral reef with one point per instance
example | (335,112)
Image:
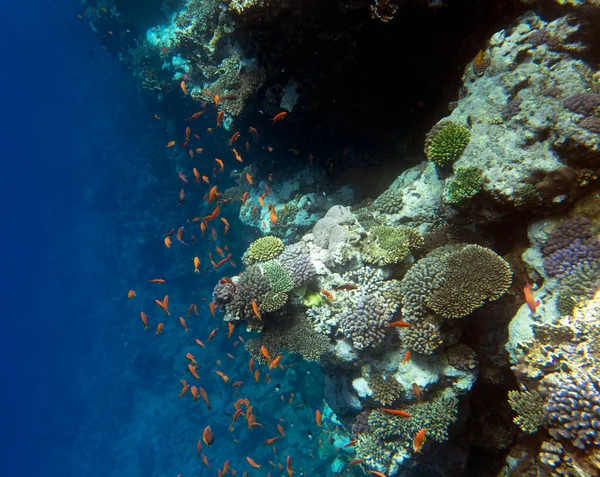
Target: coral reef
(529,407)
(263,249)
(447,144)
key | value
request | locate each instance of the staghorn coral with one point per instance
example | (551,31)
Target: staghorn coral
(471,276)
(529,407)
(278,278)
(573,408)
(385,388)
(367,323)
(297,264)
(582,283)
(436,416)
(448,144)
(465,184)
(263,249)
(391,244)
(377,453)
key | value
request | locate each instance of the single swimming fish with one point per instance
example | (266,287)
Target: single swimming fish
(183,88)
(252,463)
(183,323)
(318,417)
(157,280)
(159,329)
(419,440)
(278,117)
(255,309)
(196,264)
(528,295)
(399,324)
(207,436)
(395,412)
(144,318)
(170,144)
(131,294)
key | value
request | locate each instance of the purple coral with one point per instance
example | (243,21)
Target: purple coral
(367,323)
(297,263)
(223,294)
(571,245)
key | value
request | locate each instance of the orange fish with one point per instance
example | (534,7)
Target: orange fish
(278,117)
(181,196)
(257,375)
(212,334)
(275,362)
(419,440)
(249,178)
(377,474)
(318,417)
(183,88)
(207,436)
(199,150)
(230,328)
(235,137)
(205,460)
(244,197)
(157,280)
(205,179)
(288,462)
(216,98)
(237,384)
(254,210)
(200,343)
(273,216)
(159,329)
(270,441)
(192,370)
(261,201)
(196,175)
(211,307)
(190,356)
(251,364)
(170,144)
(222,376)
(220,118)
(194,391)
(399,324)
(188,131)
(417,392)
(221,165)
(238,157)
(191,153)
(164,304)
(265,353)
(144,318)
(198,447)
(255,310)
(183,323)
(196,264)
(194,116)
(156,116)
(269,148)
(247,146)
(406,357)
(252,463)
(204,396)
(268,189)
(167,241)
(184,388)
(131,294)
(280,429)
(328,294)
(395,412)
(528,294)
(254,132)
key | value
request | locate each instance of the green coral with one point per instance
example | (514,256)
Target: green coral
(385,388)
(312,299)
(529,407)
(263,250)
(465,184)
(436,416)
(391,244)
(273,301)
(278,278)
(389,202)
(469,277)
(448,144)
(578,286)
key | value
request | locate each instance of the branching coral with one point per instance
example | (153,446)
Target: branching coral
(581,284)
(263,249)
(297,264)
(573,408)
(472,276)
(529,407)
(465,184)
(448,144)
(251,286)
(390,202)
(385,388)
(422,336)
(367,324)
(278,278)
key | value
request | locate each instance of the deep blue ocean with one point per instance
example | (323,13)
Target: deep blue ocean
(86,391)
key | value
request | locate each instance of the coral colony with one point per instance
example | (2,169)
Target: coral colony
(467,290)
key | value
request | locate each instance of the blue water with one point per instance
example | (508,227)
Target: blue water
(86,199)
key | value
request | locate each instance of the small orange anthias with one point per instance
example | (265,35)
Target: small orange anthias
(528,295)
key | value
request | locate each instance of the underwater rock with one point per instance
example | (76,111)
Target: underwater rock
(543,133)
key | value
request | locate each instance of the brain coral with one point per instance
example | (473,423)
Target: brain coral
(297,264)
(263,249)
(367,323)
(471,276)
(391,244)
(573,408)
(448,144)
